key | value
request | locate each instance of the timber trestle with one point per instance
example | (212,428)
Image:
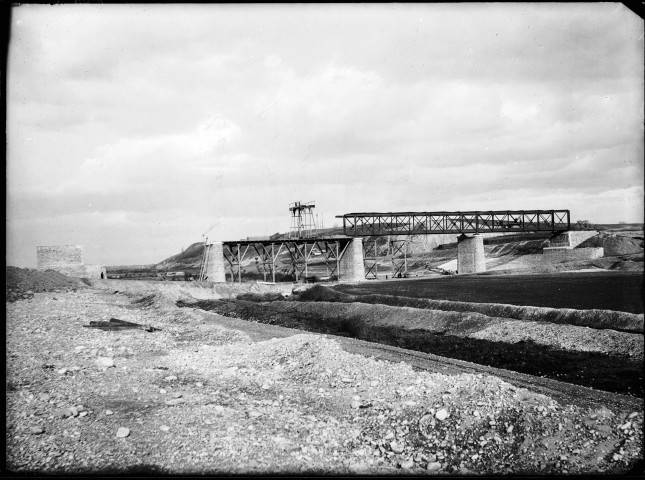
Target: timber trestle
(304,257)
(397,253)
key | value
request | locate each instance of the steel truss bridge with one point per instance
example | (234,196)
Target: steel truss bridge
(423,223)
(303,253)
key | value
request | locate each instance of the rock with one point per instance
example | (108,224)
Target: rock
(426,419)
(36,430)
(408,464)
(63,413)
(164,428)
(396,447)
(254,414)
(175,401)
(104,362)
(82,414)
(290,447)
(170,378)
(122,432)
(109,412)
(177,395)
(358,468)
(355,404)
(162,390)
(442,414)
(62,371)
(632,415)
(44,397)
(433,466)
(199,384)
(509,429)
(410,403)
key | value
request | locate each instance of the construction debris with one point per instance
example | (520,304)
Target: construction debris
(116,324)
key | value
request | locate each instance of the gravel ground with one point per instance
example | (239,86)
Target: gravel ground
(196,397)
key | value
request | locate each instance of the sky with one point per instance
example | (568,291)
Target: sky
(134,130)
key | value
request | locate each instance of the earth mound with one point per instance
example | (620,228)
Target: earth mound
(22,283)
(614,245)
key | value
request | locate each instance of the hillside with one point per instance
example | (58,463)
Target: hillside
(186,261)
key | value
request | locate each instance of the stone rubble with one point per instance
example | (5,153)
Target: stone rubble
(196,398)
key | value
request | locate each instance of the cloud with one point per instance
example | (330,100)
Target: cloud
(125,117)
(155,164)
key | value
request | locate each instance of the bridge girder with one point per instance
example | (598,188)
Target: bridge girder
(424,223)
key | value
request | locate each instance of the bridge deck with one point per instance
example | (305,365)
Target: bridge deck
(299,241)
(418,223)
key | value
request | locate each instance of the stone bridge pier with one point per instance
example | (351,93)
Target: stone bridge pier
(470,254)
(352,265)
(215,269)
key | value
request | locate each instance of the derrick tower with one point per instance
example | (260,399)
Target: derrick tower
(303,224)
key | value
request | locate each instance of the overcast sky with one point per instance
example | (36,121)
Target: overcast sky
(134,129)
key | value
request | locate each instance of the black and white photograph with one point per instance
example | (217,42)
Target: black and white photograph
(353,239)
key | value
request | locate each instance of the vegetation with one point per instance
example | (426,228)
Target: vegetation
(583,225)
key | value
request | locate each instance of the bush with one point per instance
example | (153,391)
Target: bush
(318,293)
(261,297)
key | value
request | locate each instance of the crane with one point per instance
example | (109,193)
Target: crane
(204,263)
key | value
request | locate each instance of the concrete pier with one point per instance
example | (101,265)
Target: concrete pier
(470,254)
(215,270)
(352,266)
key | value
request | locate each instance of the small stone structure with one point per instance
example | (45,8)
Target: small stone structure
(352,266)
(572,238)
(470,254)
(570,253)
(68,260)
(563,247)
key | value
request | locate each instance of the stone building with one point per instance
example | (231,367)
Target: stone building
(68,260)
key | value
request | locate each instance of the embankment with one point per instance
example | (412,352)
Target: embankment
(603,359)
(198,290)
(595,318)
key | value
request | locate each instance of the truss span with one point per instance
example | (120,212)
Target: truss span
(299,254)
(419,223)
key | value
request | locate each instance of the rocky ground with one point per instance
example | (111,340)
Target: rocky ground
(201,395)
